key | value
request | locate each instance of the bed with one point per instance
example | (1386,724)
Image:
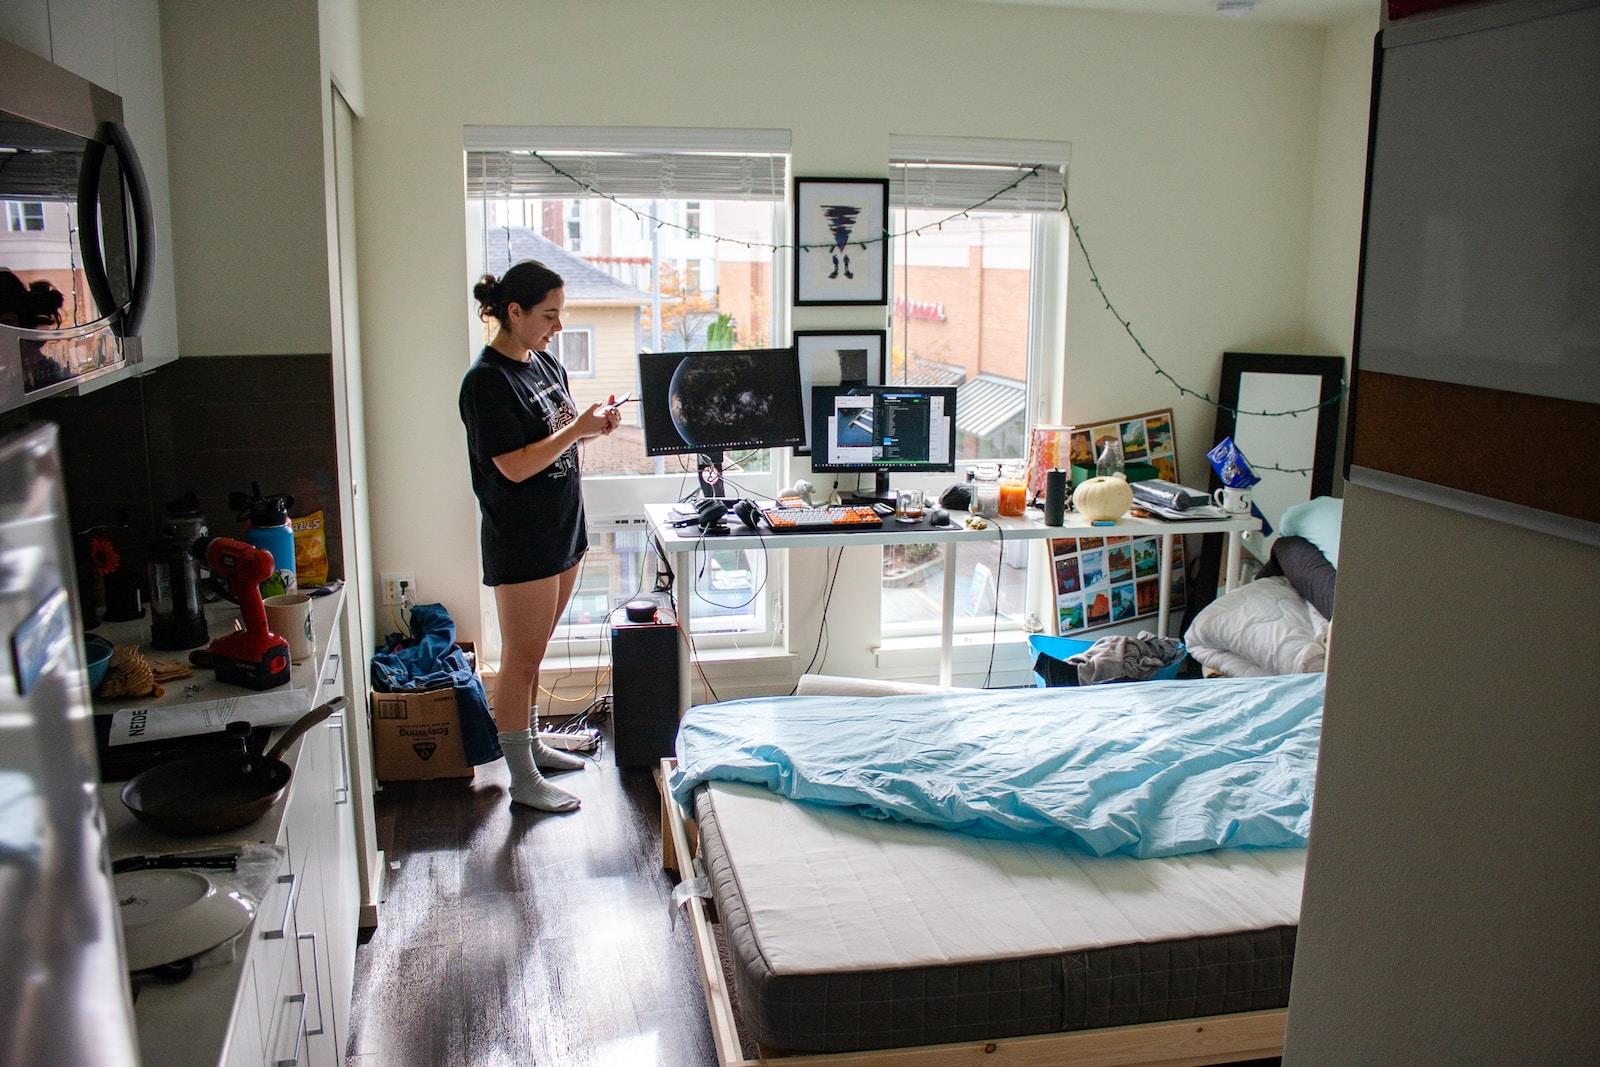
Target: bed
(856,940)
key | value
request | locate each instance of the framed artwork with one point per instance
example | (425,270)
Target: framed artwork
(1101,581)
(841,253)
(837,357)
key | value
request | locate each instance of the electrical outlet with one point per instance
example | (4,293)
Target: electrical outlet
(392,582)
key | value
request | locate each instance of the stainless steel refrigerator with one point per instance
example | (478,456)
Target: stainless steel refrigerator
(63,987)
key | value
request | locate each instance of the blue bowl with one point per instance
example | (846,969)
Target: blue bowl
(97,657)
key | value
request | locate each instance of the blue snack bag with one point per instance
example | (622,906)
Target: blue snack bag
(1231,466)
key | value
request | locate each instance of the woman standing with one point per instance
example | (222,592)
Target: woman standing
(522,443)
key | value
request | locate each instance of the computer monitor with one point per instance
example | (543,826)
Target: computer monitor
(882,429)
(711,402)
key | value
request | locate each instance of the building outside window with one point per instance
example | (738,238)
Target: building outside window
(968,310)
(24,216)
(635,281)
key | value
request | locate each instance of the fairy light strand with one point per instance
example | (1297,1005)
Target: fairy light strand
(1077,237)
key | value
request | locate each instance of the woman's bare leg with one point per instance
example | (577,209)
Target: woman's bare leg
(528,612)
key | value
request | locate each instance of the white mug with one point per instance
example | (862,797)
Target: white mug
(1233,501)
(289,616)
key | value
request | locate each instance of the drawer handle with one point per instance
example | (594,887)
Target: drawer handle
(316,975)
(299,1033)
(336,722)
(288,907)
(333,668)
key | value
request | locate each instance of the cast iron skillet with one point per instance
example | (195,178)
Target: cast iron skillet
(210,793)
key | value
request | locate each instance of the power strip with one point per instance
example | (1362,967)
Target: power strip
(584,740)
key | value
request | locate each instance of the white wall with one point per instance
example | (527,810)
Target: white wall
(1193,147)
(1450,901)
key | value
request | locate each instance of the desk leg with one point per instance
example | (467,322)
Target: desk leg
(1231,577)
(947,615)
(682,594)
(1165,598)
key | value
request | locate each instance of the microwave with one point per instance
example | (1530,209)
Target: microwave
(77,241)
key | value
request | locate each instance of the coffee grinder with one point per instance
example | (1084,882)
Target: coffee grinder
(177,608)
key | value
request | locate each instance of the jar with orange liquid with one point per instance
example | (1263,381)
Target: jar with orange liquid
(1013,491)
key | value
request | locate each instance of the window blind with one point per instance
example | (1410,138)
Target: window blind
(954,173)
(635,164)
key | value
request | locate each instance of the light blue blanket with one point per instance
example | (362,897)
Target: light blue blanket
(1150,769)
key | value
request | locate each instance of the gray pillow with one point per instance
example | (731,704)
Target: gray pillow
(1307,569)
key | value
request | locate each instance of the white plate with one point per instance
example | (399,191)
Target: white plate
(172,915)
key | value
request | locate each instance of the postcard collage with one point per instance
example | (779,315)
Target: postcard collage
(1104,580)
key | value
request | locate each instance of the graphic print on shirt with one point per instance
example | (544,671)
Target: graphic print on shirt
(559,412)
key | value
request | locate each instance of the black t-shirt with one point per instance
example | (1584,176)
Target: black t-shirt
(533,528)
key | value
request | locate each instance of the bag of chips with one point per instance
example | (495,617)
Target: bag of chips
(1231,466)
(310,549)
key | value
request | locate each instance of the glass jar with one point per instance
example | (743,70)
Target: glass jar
(986,492)
(1013,491)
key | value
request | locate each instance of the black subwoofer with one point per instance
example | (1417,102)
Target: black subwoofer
(644,690)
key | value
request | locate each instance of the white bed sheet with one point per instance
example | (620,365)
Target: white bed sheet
(830,891)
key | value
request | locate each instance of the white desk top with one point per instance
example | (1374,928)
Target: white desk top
(1029,527)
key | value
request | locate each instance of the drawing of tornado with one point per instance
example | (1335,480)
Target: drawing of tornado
(841,220)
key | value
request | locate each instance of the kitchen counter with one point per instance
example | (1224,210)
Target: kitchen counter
(190,1022)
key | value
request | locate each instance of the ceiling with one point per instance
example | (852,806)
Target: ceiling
(1303,12)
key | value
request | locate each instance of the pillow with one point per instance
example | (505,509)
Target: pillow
(1316,520)
(1261,628)
(1307,569)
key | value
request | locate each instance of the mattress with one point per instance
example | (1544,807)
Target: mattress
(848,933)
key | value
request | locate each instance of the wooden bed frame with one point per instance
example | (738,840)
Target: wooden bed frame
(1212,1039)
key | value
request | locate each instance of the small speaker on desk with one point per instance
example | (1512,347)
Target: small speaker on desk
(644,689)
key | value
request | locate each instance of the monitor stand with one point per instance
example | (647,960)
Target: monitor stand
(880,493)
(708,468)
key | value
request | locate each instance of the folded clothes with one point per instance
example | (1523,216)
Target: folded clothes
(1113,659)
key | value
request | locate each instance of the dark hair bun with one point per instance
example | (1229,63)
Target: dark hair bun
(487,292)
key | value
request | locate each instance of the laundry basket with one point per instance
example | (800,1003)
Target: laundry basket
(1060,648)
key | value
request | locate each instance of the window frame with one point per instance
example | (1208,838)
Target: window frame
(1046,339)
(20,219)
(570,333)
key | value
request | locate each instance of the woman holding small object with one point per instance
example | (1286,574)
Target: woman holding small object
(523,431)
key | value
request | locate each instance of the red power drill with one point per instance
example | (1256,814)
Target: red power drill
(254,657)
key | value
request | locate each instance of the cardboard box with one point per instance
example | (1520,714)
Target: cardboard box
(418,735)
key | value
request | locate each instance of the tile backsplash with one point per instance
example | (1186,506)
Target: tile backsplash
(210,425)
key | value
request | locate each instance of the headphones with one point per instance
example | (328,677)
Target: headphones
(709,514)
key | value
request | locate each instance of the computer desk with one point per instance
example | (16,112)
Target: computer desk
(686,540)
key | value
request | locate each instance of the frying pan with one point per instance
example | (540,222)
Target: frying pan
(216,791)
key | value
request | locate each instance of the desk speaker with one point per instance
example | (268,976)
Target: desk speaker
(644,690)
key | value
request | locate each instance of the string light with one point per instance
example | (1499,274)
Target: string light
(1077,236)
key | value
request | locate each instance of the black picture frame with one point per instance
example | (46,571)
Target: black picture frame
(809,345)
(841,243)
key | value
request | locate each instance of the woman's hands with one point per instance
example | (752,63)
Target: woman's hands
(598,420)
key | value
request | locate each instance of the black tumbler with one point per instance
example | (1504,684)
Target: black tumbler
(1055,497)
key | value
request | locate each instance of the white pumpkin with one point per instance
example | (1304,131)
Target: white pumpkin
(1103,498)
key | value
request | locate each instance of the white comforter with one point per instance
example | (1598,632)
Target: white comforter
(1258,629)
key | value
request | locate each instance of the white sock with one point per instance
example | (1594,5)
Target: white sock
(551,759)
(527,784)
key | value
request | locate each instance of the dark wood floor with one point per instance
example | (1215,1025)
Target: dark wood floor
(511,937)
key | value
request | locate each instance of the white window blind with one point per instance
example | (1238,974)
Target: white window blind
(625,162)
(954,173)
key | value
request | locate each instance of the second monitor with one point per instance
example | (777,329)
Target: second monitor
(883,429)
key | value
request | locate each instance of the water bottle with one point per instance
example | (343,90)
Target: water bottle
(269,528)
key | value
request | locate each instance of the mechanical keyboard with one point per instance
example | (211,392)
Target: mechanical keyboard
(801,520)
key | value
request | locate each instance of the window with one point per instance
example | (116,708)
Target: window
(973,306)
(575,225)
(575,349)
(24,215)
(634,196)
